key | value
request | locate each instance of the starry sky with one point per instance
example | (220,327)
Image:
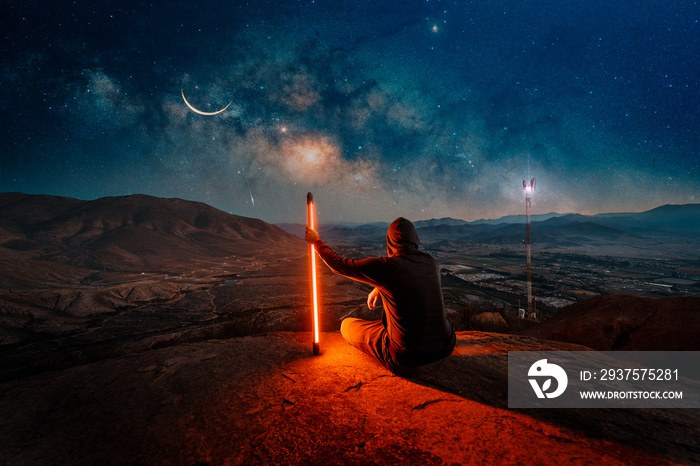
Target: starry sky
(418,108)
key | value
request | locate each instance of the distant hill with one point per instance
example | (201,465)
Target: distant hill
(439,221)
(640,231)
(630,323)
(129,233)
(517,218)
(685,216)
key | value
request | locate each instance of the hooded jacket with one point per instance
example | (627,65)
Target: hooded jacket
(409,284)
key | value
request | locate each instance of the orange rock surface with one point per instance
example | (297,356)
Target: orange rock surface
(266,399)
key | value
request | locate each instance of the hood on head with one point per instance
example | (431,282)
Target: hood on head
(401,236)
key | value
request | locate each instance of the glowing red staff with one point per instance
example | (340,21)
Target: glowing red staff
(312,254)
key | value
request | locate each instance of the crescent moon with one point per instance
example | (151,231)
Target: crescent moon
(199,111)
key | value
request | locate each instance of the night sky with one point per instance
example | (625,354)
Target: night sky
(420,108)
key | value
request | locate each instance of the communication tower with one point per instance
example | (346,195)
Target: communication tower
(529,188)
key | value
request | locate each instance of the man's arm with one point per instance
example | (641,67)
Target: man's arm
(375,271)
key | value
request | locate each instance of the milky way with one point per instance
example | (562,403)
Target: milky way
(422,109)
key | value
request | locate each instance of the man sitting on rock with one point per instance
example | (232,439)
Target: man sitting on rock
(414,335)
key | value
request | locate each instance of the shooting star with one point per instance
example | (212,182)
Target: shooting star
(252,201)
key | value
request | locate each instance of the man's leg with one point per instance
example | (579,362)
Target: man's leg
(365,335)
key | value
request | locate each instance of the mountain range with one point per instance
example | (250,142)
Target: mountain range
(666,224)
(145,233)
(130,233)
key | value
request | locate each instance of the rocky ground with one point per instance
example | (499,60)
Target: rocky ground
(118,313)
(267,399)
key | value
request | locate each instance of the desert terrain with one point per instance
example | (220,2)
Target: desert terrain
(141,330)
(83,281)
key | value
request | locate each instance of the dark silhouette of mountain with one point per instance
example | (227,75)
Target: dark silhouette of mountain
(518,218)
(564,230)
(666,217)
(639,233)
(439,221)
(562,220)
(577,229)
(130,233)
(685,216)
(643,230)
(630,323)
